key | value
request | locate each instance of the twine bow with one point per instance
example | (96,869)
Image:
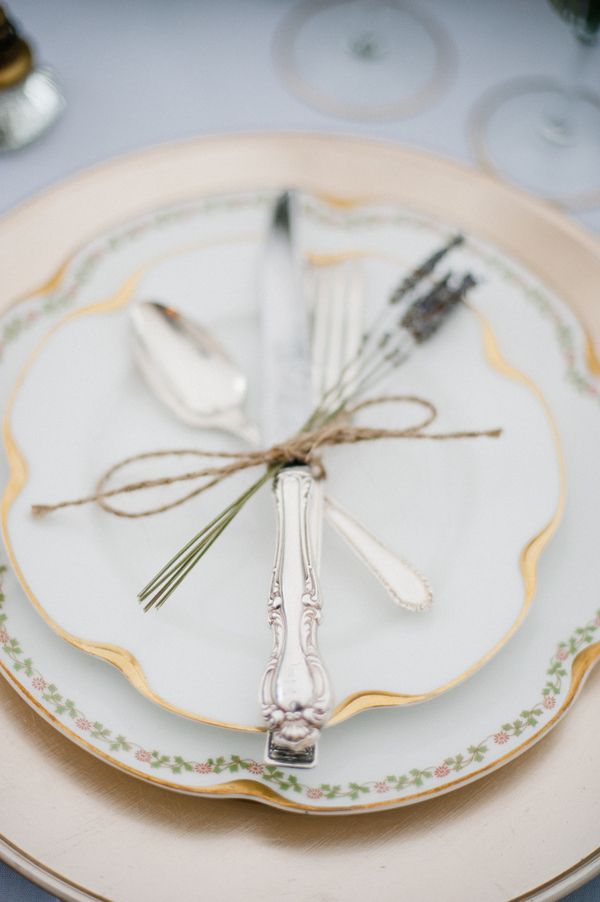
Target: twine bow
(302,448)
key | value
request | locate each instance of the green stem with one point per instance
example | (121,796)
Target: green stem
(171,575)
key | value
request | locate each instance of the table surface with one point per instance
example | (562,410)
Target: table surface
(141,73)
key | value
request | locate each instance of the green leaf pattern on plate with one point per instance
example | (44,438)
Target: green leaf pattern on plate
(67,711)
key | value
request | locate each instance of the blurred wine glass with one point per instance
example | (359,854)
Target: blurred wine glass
(544,134)
(363,59)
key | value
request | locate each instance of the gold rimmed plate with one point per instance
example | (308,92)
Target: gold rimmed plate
(474,516)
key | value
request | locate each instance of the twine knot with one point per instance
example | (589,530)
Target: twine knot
(302,448)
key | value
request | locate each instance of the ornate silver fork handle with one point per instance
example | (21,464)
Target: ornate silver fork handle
(296,696)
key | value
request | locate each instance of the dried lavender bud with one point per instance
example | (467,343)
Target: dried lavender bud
(282,214)
(425,316)
(424,269)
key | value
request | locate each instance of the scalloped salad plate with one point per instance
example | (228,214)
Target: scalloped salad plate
(473,515)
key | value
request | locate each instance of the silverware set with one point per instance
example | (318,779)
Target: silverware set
(315,355)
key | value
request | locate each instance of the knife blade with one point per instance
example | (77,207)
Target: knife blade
(286,395)
(295,695)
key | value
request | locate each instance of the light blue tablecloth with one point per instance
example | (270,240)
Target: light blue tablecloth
(493,43)
(14,888)
(588,893)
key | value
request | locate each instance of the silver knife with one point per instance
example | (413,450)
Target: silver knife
(295,695)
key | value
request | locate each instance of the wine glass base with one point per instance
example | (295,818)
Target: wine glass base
(365,60)
(517,131)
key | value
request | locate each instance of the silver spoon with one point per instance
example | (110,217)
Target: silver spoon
(193,376)
(189,371)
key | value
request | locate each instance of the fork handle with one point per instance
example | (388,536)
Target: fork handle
(296,697)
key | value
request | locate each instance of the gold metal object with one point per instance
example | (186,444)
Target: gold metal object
(16,58)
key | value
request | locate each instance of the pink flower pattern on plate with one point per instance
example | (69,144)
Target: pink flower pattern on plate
(549,702)
(39,683)
(442,770)
(501,737)
(203,768)
(143,755)
(84,724)
(382,786)
(314,793)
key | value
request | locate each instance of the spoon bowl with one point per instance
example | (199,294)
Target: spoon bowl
(189,371)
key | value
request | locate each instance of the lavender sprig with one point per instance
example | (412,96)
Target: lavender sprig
(384,347)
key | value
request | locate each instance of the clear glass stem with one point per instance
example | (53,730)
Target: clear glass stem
(559,123)
(367,40)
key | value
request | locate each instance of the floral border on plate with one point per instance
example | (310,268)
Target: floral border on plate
(86,263)
(66,711)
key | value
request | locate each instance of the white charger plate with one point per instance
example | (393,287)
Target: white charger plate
(401,757)
(472,515)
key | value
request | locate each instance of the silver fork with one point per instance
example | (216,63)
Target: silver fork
(337,302)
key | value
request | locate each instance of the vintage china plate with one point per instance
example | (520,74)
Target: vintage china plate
(404,756)
(472,515)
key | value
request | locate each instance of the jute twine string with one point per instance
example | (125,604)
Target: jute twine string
(301,448)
